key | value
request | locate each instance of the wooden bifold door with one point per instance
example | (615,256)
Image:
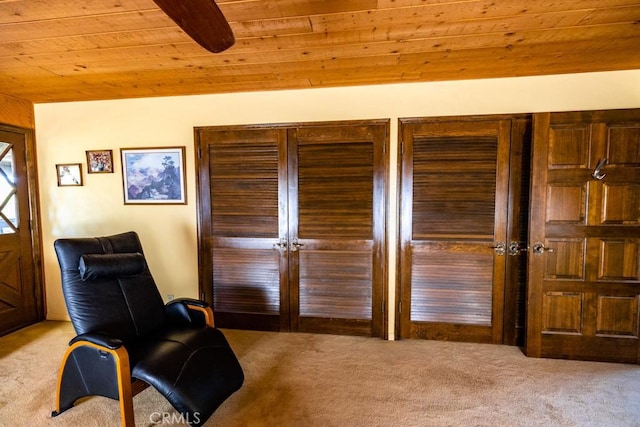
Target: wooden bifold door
(461,228)
(292,225)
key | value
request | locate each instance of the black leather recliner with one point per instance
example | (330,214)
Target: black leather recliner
(127,338)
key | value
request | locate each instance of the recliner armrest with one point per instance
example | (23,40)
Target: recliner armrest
(189,301)
(189,312)
(98,339)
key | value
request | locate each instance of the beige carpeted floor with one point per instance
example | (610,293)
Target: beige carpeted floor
(324,380)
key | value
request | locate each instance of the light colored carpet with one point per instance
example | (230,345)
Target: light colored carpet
(325,380)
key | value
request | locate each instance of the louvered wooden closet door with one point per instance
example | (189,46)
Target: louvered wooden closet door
(242,195)
(292,226)
(336,201)
(454,228)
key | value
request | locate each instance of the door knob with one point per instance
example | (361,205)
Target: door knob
(295,245)
(539,249)
(516,249)
(500,248)
(282,244)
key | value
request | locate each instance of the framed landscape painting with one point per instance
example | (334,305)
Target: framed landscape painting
(153,175)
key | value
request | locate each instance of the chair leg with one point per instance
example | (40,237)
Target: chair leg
(69,387)
(124,387)
(84,357)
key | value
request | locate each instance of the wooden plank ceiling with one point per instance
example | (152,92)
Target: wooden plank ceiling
(70,50)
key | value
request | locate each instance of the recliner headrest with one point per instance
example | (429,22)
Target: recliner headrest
(100,266)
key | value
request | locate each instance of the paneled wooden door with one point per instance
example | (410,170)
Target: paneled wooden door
(459,227)
(584,274)
(21,301)
(292,226)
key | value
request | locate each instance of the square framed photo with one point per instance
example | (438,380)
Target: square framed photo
(99,161)
(153,175)
(69,174)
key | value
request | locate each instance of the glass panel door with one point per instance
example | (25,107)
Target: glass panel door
(8,206)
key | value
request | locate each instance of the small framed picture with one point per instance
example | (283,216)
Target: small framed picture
(153,175)
(69,174)
(99,161)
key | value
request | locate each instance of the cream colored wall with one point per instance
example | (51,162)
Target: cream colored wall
(169,233)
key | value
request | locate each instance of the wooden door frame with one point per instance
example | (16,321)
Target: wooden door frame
(520,126)
(517,228)
(538,173)
(34,219)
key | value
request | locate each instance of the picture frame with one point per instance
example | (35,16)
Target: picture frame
(69,174)
(99,161)
(154,175)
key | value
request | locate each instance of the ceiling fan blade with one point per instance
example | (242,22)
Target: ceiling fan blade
(202,20)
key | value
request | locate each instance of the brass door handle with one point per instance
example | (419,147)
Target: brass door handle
(295,245)
(516,249)
(539,249)
(500,248)
(282,244)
